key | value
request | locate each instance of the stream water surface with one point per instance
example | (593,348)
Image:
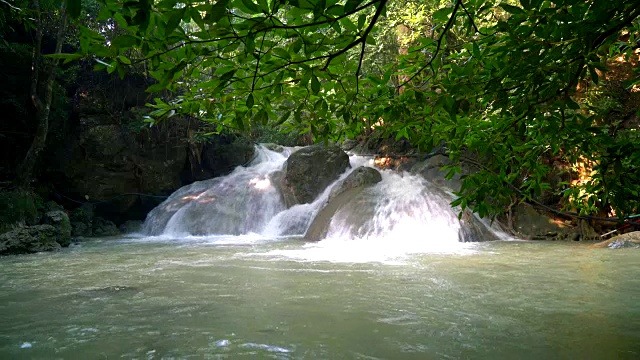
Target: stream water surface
(252,297)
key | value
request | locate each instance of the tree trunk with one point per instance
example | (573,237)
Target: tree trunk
(25,170)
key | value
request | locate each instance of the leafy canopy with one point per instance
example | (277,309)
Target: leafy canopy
(495,81)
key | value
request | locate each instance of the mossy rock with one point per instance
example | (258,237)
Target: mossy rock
(29,239)
(103,227)
(60,221)
(18,207)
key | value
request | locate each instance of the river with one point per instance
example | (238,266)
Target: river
(253,297)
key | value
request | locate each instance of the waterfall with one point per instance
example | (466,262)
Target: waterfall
(401,206)
(239,203)
(402,209)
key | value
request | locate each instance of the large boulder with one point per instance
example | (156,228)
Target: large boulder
(628,240)
(29,239)
(431,170)
(529,224)
(360,177)
(473,229)
(342,194)
(310,170)
(60,221)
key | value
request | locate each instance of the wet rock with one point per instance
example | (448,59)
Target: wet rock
(53,206)
(431,170)
(628,240)
(310,170)
(619,244)
(531,225)
(473,229)
(102,227)
(362,176)
(274,147)
(60,221)
(342,194)
(82,221)
(320,225)
(131,226)
(29,239)
(349,144)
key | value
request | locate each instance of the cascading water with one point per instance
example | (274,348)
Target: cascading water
(401,206)
(240,203)
(403,213)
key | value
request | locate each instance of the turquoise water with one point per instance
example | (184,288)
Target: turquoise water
(243,297)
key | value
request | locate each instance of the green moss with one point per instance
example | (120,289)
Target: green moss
(18,206)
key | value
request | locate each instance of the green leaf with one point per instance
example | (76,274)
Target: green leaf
(124,41)
(572,104)
(123,59)
(227,76)
(282,53)
(66,57)
(239,121)
(476,50)
(217,11)
(251,6)
(250,101)
(306,77)
(315,84)
(73,8)
(296,46)
(351,5)
(174,20)
(442,15)
(361,20)
(284,117)
(249,45)
(370,40)
(512,9)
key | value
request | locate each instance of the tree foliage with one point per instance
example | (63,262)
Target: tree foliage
(495,81)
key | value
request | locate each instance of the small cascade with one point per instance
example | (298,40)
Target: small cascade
(239,203)
(403,212)
(401,206)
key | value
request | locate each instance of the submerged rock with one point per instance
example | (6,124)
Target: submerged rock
(619,244)
(310,170)
(628,240)
(29,239)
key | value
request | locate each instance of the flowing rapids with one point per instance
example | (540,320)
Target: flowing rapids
(254,297)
